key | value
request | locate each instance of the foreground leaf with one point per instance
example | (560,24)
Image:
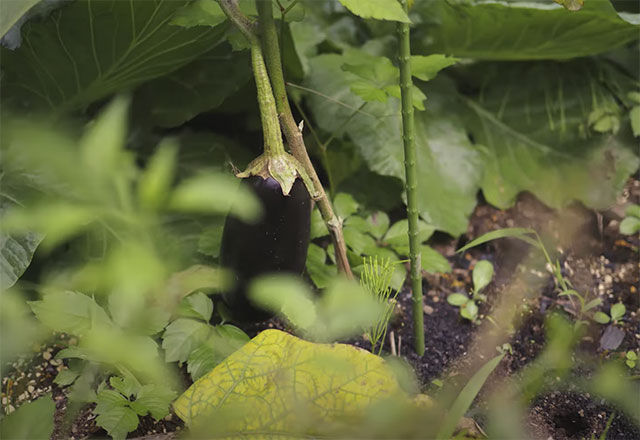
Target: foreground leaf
(21,424)
(378,9)
(279,384)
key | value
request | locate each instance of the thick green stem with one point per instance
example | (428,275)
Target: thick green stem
(292,133)
(412,181)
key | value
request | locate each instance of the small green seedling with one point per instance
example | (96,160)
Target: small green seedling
(376,277)
(631,223)
(631,359)
(482,275)
(505,348)
(616,313)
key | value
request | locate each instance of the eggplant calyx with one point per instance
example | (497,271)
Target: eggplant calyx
(284,168)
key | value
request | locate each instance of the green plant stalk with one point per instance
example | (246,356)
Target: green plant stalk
(275,162)
(269,37)
(404,59)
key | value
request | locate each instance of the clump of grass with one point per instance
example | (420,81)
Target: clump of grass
(376,278)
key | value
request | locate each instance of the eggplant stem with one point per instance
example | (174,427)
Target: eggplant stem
(294,137)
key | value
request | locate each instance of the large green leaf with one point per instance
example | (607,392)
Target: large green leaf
(545,137)
(90,49)
(199,86)
(279,385)
(12,11)
(449,167)
(378,9)
(522,30)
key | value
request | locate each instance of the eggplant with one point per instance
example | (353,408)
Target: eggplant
(278,242)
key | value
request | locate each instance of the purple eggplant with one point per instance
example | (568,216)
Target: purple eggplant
(278,242)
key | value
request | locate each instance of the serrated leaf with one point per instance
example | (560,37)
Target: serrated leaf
(107,46)
(457,299)
(482,274)
(357,240)
(182,336)
(126,386)
(319,270)
(118,421)
(154,399)
(66,377)
(20,424)
(377,9)
(433,261)
(280,383)
(197,305)
(69,312)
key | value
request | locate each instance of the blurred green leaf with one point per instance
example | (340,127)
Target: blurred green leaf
(199,13)
(520,233)
(319,270)
(482,274)
(155,182)
(433,261)
(634,116)
(90,50)
(69,312)
(215,194)
(377,9)
(182,336)
(287,296)
(633,210)
(21,423)
(197,305)
(457,299)
(630,225)
(601,318)
(466,397)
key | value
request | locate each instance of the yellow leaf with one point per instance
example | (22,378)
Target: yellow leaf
(278,383)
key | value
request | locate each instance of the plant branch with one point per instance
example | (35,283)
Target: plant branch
(237,17)
(404,59)
(294,136)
